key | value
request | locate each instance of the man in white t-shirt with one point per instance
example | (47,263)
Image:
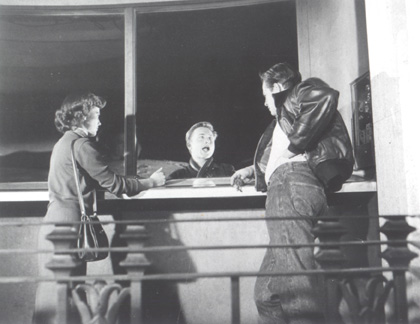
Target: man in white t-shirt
(305,151)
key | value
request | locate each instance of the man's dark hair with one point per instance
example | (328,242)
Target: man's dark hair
(282,73)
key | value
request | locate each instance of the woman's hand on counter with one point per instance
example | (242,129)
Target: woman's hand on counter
(158,178)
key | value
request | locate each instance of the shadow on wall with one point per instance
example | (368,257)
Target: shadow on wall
(161,302)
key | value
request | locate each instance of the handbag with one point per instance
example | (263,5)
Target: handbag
(91,233)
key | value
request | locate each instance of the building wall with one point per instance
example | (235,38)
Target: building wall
(200,298)
(394,30)
(17,299)
(182,301)
(332,45)
(189,301)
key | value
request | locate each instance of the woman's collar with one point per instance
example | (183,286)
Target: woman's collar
(81,132)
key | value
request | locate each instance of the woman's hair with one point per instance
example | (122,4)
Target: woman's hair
(75,109)
(281,73)
(197,125)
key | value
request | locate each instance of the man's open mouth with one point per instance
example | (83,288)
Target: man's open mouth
(206,149)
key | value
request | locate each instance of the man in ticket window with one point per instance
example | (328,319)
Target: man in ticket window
(200,140)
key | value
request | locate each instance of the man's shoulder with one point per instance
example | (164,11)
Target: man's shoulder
(313,81)
(226,168)
(305,89)
(224,165)
(183,172)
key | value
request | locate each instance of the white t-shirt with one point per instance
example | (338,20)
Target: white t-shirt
(279,146)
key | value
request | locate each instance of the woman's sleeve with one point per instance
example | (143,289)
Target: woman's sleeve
(90,159)
(316,107)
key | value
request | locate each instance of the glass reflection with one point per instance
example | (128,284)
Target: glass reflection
(42,59)
(203,66)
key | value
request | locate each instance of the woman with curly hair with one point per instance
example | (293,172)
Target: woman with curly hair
(78,121)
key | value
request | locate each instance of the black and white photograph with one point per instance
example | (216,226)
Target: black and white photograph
(209,162)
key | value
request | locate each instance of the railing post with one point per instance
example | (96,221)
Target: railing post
(398,255)
(62,264)
(135,264)
(330,258)
(235,300)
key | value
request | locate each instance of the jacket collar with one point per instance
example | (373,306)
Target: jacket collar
(80,132)
(201,170)
(280,99)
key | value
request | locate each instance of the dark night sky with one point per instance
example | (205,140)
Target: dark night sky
(192,66)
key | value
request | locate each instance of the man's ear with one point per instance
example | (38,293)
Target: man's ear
(277,87)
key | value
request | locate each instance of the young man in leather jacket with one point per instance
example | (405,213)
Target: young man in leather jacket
(305,151)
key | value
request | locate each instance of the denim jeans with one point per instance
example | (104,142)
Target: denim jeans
(293,191)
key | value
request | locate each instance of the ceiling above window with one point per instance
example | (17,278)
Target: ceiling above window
(163,5)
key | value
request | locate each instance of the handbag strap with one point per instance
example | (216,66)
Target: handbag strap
(76,177)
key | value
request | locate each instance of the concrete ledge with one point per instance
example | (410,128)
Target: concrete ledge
(188,188)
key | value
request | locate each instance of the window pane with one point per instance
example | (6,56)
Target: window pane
(203,66)
(43,59)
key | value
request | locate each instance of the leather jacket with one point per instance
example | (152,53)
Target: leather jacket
(308,115)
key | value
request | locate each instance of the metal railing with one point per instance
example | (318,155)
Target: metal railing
(340,280)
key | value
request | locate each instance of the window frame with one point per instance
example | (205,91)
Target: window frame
(130,13)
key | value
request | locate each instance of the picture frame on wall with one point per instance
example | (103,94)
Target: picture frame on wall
(362,123)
